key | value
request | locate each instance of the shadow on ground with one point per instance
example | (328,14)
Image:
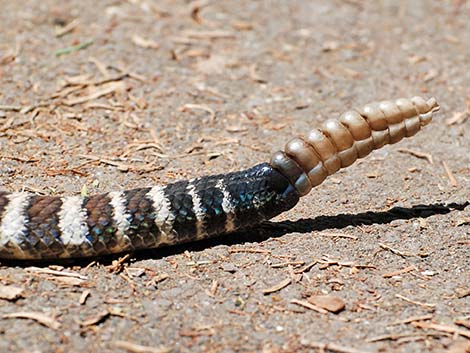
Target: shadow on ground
(277,229)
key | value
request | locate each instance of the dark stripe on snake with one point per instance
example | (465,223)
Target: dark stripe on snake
(211,204)
(42,226)
(181,206)
(101,227)
(143,232)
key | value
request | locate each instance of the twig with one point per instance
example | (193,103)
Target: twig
(287,263)
(205,108)
(328,261)
(118,265)
(333,347)
(250,250)
(208,34)
(20,159)
(137,348)
(61,31)
(442,328)
(399,272)
(277,287)
(426,305)
(56,273)
(390,337)
(43,319)
(149,167)
(450,175)
(100,66)
(96,319)
(417,154)
(306,268)
(396,251)
(13,108)
(338,235)
(308,305)
(84,296)
(106,89)
(411,319)
(144,42)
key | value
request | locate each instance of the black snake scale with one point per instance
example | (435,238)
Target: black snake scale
(51,227)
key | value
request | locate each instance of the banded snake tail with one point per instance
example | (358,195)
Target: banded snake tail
(52,227)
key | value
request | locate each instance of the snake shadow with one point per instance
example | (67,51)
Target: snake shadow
(268,230)
(271,229)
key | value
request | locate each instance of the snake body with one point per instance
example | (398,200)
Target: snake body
(52,227)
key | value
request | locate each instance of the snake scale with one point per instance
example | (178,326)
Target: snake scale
(52,227)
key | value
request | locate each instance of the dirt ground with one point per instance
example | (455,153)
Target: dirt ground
(105,95)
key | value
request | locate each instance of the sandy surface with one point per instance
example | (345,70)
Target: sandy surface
(104,95)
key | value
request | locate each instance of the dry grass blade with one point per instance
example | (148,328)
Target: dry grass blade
(55,272)
(396,251)
(137,348)
(202,107)
(306,268)
(149,167)
(390,337)
(460,117)
(68,281)
(411,319)
(277,287)
(43,319)
(11,108)
(333,347)
(144,43)
(103,68)
(288,263)
(216,34)
(426,305)
(450,175)
(308,305)
(73,48)
(338,235)
(105,89)
(399,272)
(250,250)
(96,319)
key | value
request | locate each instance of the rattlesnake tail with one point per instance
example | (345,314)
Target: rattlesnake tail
(53,227)
(307,160)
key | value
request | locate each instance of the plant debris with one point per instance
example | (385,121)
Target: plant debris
(331,303)
(43,319)
(10,292)
(73,48)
